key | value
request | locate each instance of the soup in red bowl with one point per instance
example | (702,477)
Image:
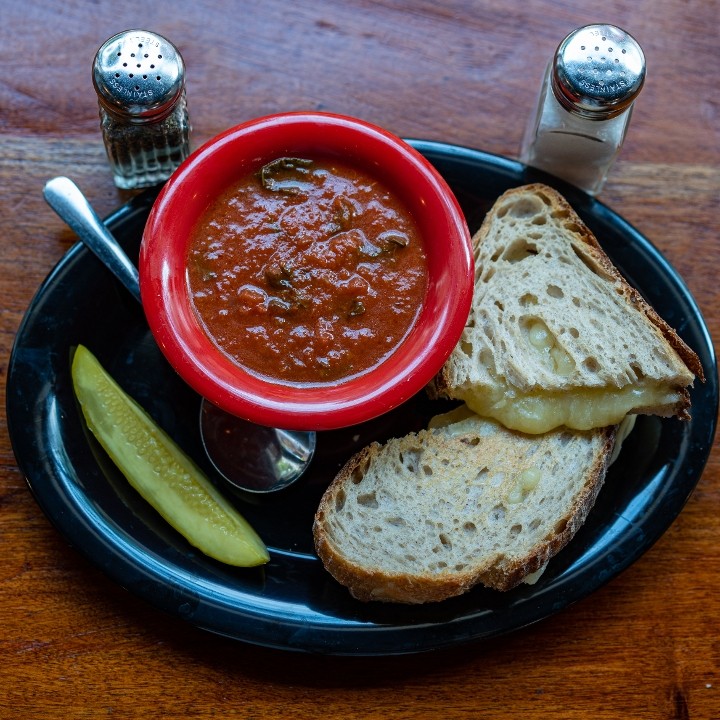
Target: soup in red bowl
(306,270)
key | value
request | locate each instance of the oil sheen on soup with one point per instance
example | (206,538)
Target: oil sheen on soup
(307,271)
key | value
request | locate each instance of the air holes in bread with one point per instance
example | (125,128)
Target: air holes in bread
(515,530)
(535,524)
(497,514)
(410,459)
(470,528)
(339,500)
(591,365)
(368,500)
(359,472)
(637,371)
(445,540)
(519,250)
(525,207)
(555,292)
(528,299)
(481,475)
(574,332)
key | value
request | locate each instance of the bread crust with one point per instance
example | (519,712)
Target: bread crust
(368,583)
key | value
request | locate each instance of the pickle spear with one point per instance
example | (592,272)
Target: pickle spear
(160,471)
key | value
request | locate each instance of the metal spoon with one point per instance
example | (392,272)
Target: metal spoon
(252,457)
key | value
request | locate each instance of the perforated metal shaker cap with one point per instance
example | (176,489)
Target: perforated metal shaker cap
(598,71)
(139,75)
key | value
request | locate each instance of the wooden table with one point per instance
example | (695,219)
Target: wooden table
(75,645)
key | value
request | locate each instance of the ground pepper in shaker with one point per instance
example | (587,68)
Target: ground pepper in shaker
(139,78)
(585,106)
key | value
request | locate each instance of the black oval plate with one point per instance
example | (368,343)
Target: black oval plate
(292,603)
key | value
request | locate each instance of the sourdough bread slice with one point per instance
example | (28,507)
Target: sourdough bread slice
(428,516)
(556,336)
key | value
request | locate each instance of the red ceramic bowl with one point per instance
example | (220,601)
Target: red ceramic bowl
(243,149)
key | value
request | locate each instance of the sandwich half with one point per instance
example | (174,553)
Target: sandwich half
(556,336)
(426,517)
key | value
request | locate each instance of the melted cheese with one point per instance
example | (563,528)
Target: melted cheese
(546,345)
(525,482)
(621,435)
(455,422)
(580,409)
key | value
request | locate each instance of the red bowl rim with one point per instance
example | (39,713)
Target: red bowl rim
(210,372)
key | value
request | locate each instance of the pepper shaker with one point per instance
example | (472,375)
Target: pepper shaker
(585,105)
(139,78)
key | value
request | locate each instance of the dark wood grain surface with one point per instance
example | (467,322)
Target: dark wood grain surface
(75,645)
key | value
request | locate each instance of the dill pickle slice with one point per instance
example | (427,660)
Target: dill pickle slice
(160,471)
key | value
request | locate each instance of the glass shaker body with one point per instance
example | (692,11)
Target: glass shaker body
(139,78)
(145,154)
(585,106)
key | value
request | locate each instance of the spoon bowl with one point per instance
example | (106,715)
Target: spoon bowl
(268,458)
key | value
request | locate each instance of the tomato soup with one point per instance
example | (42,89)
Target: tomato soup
(308,271)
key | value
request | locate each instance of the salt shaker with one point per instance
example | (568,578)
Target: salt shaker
(585,105)
(139,78)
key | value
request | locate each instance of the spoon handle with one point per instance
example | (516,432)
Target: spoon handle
(66,199)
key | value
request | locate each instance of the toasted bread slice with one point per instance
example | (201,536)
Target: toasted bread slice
(428,516)
(556,336)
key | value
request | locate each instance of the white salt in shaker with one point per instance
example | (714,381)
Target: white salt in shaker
(585,105)
(139,78)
